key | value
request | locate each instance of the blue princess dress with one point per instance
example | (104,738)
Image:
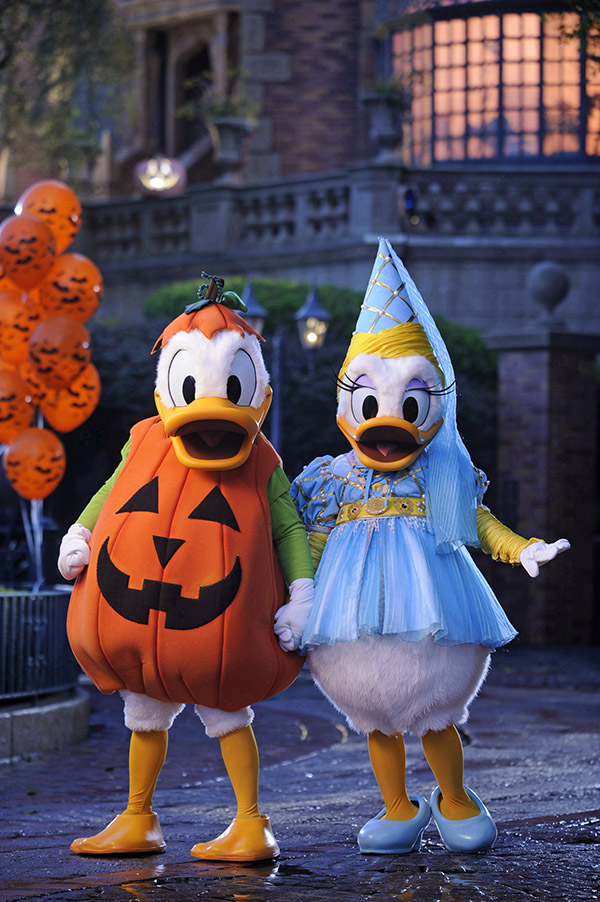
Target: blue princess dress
(399,635)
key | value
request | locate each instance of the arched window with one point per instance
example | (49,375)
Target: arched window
(496,86)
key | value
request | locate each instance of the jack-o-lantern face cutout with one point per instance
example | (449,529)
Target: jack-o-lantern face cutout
(34,463)
(57,205)
(26,249)
(73,287)
(18,318)
(181,613)
(67,408)
(60,349)
(16,408)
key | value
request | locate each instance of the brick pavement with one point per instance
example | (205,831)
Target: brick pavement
(532,755)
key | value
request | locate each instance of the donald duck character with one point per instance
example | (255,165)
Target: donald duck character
(402,626)
(182,559)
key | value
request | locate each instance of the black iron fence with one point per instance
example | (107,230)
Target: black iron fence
(35,657)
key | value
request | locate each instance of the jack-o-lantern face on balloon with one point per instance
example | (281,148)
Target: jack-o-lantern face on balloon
(57,205)
(27,249)
(67,408)
(60,349)
(16,407)
(73,287)
(18,318)
(34,463)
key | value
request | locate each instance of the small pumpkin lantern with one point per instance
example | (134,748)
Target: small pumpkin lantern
(34,463)
(60,349)
(73,287)
(27,249)
(18,318)
(67,408)
(16,407)
(57,205)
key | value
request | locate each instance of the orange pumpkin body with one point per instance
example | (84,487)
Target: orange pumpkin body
(183,582)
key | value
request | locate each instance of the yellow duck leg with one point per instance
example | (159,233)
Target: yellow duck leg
(388,760)
(137,829)
(444,754)
(249,836)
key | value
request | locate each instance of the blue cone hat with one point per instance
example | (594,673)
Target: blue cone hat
(392,299)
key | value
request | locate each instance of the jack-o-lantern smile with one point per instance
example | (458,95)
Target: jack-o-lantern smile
(181,612)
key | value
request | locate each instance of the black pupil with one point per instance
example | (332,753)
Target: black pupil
(370,407)
(410,410)
(234,389)
(189,389)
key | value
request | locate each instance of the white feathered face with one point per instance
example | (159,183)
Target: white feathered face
(390,408)
(212,395)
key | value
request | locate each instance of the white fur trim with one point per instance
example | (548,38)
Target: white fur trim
(390,376)
(144,714)
(386,683)
(211,361)
(219,723)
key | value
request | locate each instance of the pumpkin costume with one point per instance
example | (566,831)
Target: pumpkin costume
(189,547)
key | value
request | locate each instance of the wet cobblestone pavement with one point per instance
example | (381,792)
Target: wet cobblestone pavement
(533,757)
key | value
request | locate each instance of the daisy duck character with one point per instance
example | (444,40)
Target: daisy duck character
(182,559)
(402,626)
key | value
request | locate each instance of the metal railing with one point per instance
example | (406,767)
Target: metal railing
(35,657)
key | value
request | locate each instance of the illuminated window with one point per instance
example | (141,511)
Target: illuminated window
(497,86)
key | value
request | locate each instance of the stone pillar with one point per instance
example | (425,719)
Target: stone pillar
(547,465)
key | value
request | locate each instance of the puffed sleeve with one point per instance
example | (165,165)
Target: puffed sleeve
(313,494)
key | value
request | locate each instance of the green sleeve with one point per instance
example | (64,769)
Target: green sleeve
(289,534)
(90,513)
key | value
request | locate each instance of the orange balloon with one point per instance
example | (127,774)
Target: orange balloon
(60,349)
(67,408)
(26,249)
(18,318)
(16,406)
(59,207)
(34,463)
(36,386)
(73,287)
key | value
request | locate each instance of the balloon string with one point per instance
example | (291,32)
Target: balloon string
(38,538)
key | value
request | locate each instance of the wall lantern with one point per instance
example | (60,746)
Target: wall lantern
(161,175)
(313,321)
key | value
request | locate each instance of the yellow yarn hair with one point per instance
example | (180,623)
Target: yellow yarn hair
(405,340)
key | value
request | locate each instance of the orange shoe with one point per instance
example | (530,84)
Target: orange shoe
(126,833)
(246,839)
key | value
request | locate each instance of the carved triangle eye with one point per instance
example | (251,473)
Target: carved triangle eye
(145,499)
(215,507)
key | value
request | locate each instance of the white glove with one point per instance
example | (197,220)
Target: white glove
(291,618)
(74,553)
(540,553)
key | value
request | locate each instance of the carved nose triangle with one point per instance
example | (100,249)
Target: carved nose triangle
(166,548)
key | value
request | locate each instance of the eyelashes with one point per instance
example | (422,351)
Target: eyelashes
(350,385)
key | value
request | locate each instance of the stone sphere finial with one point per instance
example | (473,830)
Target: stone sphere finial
(548,283)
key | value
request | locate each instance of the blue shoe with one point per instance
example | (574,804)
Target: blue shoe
(473,834)
(379,837)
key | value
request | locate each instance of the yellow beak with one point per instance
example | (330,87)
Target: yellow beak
(213,433)
(387,443)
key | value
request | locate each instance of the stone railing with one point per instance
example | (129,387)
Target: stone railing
(299,215)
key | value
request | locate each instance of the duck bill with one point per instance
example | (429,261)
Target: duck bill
(387,443)
(213,433)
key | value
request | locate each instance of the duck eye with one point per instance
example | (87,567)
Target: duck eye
(415,406)
(181,379)
(365,403)
(241,383)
